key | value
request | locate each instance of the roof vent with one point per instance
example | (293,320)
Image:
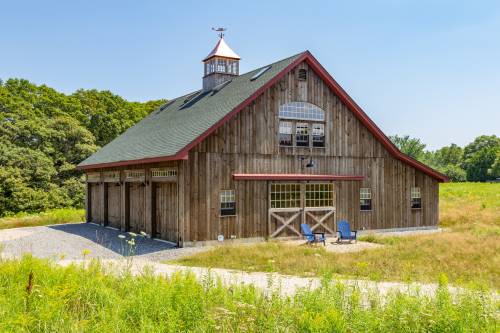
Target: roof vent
(260,72)
(302,76)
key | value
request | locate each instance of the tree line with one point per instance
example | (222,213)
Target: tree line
(44,134)
(479,161)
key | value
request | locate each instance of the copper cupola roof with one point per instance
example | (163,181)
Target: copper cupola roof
(223,50)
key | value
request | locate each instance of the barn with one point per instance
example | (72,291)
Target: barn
(252,156)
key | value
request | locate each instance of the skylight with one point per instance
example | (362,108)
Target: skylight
(260,72)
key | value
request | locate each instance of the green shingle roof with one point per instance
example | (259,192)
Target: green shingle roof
(176,124)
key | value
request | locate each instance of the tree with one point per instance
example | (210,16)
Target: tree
(410,146)
(480,156)
(44,134)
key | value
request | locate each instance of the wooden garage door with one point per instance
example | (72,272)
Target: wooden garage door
(137,207)
(95,201)
(114,205)
(166,211)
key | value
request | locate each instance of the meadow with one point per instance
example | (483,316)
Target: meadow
(468,251)
(54,216)
(39,296)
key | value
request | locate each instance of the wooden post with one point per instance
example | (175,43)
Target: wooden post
(104,203)
(149,214)
(125,211)
(88,203)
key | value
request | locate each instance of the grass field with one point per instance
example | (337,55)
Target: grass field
(37,296)
(55,216)
(468,252)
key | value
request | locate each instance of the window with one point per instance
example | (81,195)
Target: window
(111,176)
(319,195)
(163,172)
(259,73)
(227,203)
(318,134)
(302,111)
(134,175)
(221,66)
(302,134)
(365,198)
(285,195)
(286,133)
(416,197)
(307,119)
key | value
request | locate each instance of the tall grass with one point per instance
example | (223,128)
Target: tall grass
(54,216)
(74,299)
(468,252)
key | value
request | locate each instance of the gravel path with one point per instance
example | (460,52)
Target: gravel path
(286,285)
(70,241)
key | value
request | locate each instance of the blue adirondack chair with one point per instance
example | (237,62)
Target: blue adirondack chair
(312,237)
(345,233)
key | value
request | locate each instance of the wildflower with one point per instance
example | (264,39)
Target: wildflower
(133,234)
(143,233)
(85,252)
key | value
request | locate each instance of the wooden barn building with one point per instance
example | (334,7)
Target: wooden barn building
(251,156)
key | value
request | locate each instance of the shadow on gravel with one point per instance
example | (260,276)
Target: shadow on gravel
(109,239)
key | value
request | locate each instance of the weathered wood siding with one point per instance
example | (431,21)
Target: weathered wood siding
(166,223)
(190,210)
(248,143)
(114,205)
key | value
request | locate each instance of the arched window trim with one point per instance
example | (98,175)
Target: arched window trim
(301,111)
(301,124)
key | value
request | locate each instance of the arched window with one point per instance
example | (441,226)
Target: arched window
(301,125)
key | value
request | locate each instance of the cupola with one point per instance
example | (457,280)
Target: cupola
(221,65)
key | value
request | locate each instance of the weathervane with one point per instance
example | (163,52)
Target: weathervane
(220,31)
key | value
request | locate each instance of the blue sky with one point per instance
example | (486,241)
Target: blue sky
(430,69)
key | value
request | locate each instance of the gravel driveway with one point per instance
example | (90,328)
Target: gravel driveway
(70,241)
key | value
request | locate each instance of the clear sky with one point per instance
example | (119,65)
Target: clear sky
(430,69)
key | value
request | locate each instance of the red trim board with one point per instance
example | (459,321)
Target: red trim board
(292,176)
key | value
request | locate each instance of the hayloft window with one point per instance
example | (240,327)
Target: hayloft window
(302,134)
(365,199)
(416,198)
(318,135)
(308,121)
(227,203)
(286,138)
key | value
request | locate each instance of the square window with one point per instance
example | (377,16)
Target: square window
(365,198)
(416,198)
(227,203)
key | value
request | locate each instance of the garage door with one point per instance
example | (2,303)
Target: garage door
(166,211)
(95,211)
(114,205)
(137,207)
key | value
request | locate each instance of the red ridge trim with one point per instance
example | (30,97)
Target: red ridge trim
(293,176)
